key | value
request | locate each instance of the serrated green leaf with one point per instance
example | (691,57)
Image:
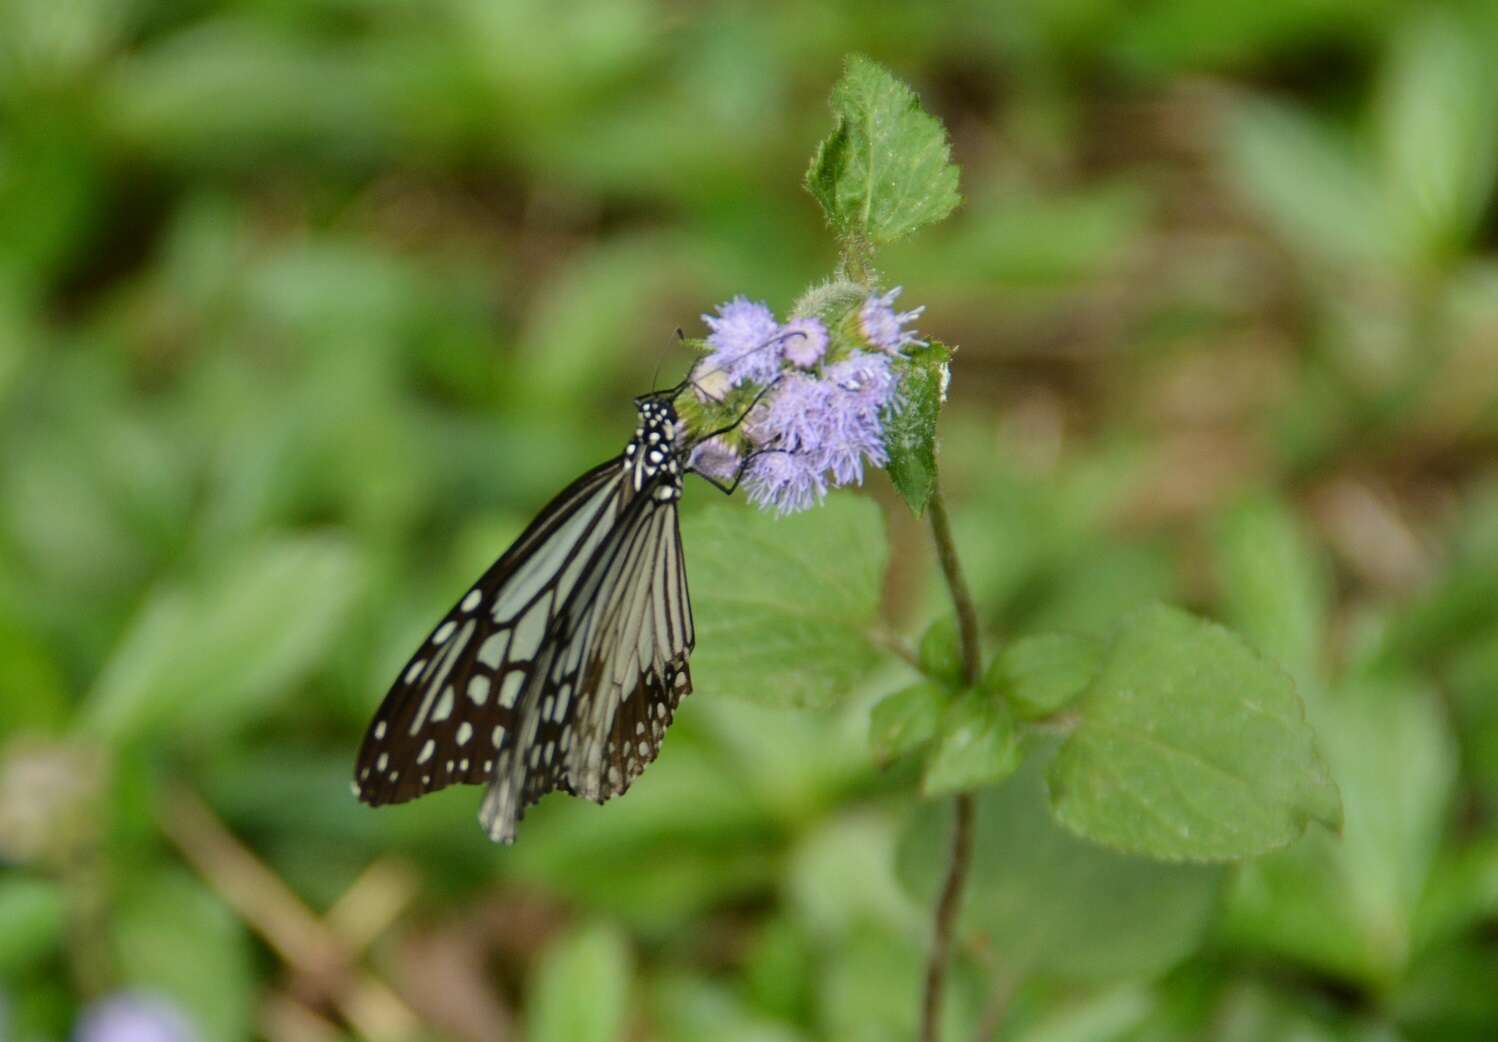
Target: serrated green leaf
(978,746)
(206,657)
(784,606)
(906,720)
(1040,674)
(1273,586)
(885,170)
(581,990)
(1053,903)
(910,434)
(1191,746)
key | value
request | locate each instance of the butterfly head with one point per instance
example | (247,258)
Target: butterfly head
(654,450)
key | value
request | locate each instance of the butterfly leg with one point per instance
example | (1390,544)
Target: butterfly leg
(728,488)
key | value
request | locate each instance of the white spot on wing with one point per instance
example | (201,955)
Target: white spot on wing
(427,750)
(492,651)
(472,600)
(414,670)
(444,704)
(465,732)
(478,689)
(510,688)
(444,631)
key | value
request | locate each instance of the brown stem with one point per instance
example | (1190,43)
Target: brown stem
(962,832)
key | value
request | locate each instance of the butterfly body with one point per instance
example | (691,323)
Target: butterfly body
(562,667)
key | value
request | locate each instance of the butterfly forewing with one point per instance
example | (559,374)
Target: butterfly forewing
(455,699)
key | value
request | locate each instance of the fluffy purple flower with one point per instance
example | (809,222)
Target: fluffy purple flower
(883,327)
(715,459)
(819,431)
(784,481)
(805,341)
(133,1017)
(744,342)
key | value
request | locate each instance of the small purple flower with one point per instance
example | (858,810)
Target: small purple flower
(883,327)
(783,480)
(805,341)
(133,1017)
(716,459)
(744,342)
(820,431)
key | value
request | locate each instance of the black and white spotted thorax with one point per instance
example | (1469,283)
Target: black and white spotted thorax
(654,454)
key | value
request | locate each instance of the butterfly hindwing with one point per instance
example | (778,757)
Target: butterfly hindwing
(607,665)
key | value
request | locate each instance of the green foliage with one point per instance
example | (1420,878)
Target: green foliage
(34,915)
(910,434)
(906,720)
(306,308)
(1052,903)
(581,989)
(1392,754)
(940,652)
(1274,587)
(978,745)
(886,169)
(1041,674)
(1189,746)
(785,605)
(173,936)
(207,659)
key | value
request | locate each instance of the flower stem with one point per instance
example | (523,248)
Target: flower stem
(962,600)
(962,833)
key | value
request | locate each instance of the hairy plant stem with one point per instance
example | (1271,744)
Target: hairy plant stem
(962,832)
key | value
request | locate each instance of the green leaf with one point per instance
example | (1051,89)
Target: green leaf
(1116,1013)
(1273,584)
(1437,134)
(1041,674)
(207,657)
(910,434)
(1050,902)
(940,652)
(1348,906)
(174,936)
(581,989)
(906,720)
(784,605)
(886,168)
(870,991)
(1190,747)
(1308,182)
(978,746)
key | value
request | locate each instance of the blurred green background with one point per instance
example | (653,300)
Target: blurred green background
(307,305)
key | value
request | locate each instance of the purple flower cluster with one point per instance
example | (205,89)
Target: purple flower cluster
(822,419)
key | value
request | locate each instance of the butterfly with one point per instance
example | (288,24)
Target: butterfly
(562,667)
